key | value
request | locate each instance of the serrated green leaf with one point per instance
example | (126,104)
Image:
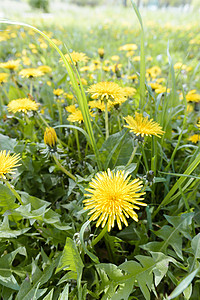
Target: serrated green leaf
(7,198)
(6,232)
(71,260)
(7,143)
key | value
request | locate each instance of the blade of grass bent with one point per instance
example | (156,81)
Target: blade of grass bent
(82,100)
(142,59)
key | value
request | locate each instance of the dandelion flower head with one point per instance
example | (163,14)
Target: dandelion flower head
(8,163)
(30,73)
(142,126)
(107,91)
(113,197)
(76,57)
(23,104)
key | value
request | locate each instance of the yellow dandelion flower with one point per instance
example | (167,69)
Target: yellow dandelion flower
(3,77)
(30,73)
(113,197)
(154,71)
(76,57)
(76,116)
(58,92)
(154,85)
(129,91)
(23,104)
(70,108)
(99,105)
(136,58)
(50,137)
(107,91)
(26,60)
(10,64)
(142,126)
(115,57)
(45,69)
(128,47)
(194,138)
(180,65)
(192,96)
(198,124)
(8,163)
(161,90)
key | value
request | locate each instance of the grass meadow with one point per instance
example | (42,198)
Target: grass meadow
(99,153)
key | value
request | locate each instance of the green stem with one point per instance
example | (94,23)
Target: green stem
(13,191)
(63,169)
(99,237)
(77,143)
(145,158)
(132,156)
(106,119)
(31,87)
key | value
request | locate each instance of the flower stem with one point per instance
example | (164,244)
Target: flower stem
(145,158)
(132,156)
(106,119)
(13,191)
(31,87)
(63,169)
(99,237)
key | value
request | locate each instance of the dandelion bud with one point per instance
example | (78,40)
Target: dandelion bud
(50,137)
(101,53)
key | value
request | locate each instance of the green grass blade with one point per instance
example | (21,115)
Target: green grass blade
(168,198)
(183,285)
(142,59)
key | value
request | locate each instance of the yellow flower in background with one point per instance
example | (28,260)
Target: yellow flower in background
(107,91)
(26,60)
(162,89)
(50,137)
(76,116)
(70,108)
(23,104)
(8,163)
(115,57)
(180,65)
(113,197)
(192,96)
(136,58)
(43,45)
(45,69)
(154,71)
(129,91)
(194,138)
(76,57)
(99,105)
(10,64)
(101,52)
(30,73)
(58,92)
(128,47)
(198,124)
(154,85)
(142,126)
(3,77)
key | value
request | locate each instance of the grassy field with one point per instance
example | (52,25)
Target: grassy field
(99,153)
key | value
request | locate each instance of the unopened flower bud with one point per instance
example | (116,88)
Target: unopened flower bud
(101,53)
(50,137)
